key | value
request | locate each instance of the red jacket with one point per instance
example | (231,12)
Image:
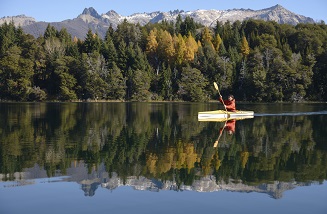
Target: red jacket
(230,105)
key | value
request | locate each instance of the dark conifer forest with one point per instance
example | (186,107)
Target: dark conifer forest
(256,60)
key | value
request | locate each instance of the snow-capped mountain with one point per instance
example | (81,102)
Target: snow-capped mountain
(90,19)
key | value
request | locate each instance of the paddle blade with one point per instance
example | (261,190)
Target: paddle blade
(215,144)
(216,86)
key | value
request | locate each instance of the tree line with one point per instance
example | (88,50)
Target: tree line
(255,60)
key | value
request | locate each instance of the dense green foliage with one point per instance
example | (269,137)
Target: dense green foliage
(255,60)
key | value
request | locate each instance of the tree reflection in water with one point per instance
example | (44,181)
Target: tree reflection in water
(159,146)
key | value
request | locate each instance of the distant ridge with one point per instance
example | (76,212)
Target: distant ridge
(91,19)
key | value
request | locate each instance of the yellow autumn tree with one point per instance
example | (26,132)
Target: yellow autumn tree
(199,44)
(206,37)
(183,156)
(217,42)
(244,158)
(191,47)
(245,48)
(151,161)
(152,44)
(166,47)
(180,49)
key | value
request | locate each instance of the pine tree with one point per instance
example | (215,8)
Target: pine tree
(178,24)
(7,37)
(92,42)
(140,85)
(50,32)
(15,75)
(122,57)
(117,84)
(109,51)
(188,26)
(65,82)
(192,85)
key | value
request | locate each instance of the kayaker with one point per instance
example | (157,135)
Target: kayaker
(229,103)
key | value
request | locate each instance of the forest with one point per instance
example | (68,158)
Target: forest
(255,60)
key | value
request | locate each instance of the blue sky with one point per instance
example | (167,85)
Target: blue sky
(59,10)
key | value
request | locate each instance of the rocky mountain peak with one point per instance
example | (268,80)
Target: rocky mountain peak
(100,23)
(277,7)
(20,20)
(92,12)
(112,13)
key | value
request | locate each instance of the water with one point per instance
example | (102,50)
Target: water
(157,158)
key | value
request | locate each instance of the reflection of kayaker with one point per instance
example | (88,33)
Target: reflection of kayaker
(229,127)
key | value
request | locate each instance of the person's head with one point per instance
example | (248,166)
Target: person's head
(230,97)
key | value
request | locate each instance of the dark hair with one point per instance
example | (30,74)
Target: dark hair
(231,96)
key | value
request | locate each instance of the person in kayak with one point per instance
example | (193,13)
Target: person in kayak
(229,103)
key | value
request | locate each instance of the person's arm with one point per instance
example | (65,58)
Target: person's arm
(221,100)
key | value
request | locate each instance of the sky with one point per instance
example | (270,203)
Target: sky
(59,10)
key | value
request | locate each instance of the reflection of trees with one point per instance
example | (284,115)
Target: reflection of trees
(163,141)
(182,156)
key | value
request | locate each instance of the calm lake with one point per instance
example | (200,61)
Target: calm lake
(158,158)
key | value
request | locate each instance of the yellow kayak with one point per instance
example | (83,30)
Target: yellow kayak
(222,115)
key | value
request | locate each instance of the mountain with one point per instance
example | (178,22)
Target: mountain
(90,19)
(20,20)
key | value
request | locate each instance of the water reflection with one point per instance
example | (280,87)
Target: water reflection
(162,146)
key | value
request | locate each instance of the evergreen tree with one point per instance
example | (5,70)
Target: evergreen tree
(92,73)
(109,51)
(15,75)
(140,85)
(7,37)
(166,83)
(92,42)
(192,85)
(65,82)
(256,82)
(50,32)
(116,84)
(187,26)
(122,57)
(178,24)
